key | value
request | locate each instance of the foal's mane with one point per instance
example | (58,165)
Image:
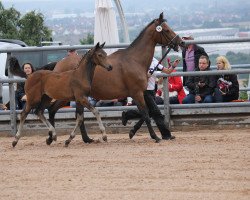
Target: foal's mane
(82,58)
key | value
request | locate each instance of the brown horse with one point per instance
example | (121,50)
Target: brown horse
(72,85)
(129,74)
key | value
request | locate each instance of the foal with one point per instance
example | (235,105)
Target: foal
(73,85)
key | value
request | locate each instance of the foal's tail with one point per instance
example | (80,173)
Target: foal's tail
(15,68)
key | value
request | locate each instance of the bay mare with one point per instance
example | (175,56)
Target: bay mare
(73,85)
(129,74)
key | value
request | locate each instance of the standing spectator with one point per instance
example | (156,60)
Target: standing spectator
(149,96)
(227,88)
(201,88)
(190,56)
(20,93)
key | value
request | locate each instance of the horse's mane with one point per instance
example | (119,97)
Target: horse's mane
(82,58)
(140,35)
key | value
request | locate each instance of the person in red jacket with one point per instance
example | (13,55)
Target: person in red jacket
(176,91)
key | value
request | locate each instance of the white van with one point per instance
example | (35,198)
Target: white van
(38,59)
(6,44)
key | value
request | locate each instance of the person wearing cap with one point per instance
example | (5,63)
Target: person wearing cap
(72,52)
(190,56)
(149,97)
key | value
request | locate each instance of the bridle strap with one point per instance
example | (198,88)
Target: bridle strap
(166,53)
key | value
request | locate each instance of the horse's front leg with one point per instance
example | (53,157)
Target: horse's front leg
(84,134)
(145,116)
(98,117)
(23,116)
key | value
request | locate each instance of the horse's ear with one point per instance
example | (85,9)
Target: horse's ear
(102,45)
(97,45)
(161,17)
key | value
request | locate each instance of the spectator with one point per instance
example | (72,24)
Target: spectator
(72,52)
(190,56)
(20,93)
(176,91)
(227,88)
(149,96)
(113,102)
(201,88)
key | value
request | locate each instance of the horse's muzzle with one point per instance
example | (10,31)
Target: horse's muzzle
(109,68)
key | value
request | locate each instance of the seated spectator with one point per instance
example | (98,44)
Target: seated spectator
(176,91)
(91,100)
(201,88)
(20,93)
(227,88)
(113,102)
(3,106)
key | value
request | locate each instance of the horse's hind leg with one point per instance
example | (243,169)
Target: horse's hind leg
(48,124)
(84,134)
(79,119)
(23,116)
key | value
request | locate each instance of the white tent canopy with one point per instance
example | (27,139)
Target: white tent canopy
(105,23)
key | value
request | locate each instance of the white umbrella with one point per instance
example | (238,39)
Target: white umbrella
(105,24)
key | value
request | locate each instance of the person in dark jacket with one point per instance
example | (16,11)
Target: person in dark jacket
(20,93)
(190,56)
(201,88)
(227,88)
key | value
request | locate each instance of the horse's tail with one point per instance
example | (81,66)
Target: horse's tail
(49,66)
(15,68)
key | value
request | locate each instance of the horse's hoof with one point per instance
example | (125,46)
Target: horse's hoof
(67,143)
(49,141)
(14,143)
(105,138)
(168,137)
(54,138)
(157,140)
(131,134)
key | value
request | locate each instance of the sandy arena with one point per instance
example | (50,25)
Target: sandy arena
(205,164)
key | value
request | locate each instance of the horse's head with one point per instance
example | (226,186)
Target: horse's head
(165,35)
(100,57)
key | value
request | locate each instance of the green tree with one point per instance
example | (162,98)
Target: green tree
(30,28)
(9,22)
(88,40)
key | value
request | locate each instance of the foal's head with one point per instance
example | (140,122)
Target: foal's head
(99,56)
(165,35)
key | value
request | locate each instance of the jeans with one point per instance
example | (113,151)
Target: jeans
(190,98)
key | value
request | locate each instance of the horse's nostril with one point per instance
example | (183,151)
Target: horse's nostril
(182,43)
(110,68)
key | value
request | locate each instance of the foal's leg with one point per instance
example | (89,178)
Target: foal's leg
(84,134)
(23,116)
(79,119)
(48,124)
(136,127)
(86,103)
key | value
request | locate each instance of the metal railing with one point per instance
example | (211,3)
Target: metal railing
(11,80)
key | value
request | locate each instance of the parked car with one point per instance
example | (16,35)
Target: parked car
(38,59)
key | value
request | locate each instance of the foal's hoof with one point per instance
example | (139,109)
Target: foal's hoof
(157,140)
(67,143)
(49,141)
(14,143)
(131,134)
(105,138)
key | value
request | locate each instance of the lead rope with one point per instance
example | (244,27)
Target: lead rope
(169,49)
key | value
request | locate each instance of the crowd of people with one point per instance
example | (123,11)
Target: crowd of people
(182,90)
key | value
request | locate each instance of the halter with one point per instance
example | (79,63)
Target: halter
(170,45)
